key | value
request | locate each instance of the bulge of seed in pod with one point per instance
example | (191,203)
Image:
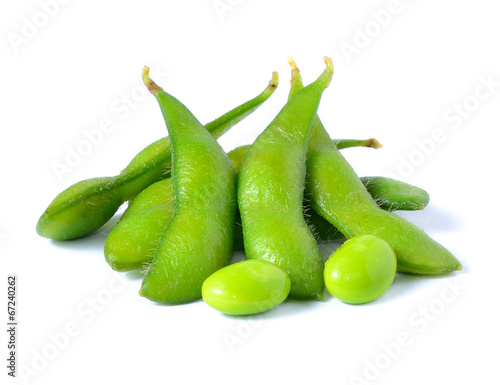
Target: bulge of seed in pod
(360,270)
(246,287)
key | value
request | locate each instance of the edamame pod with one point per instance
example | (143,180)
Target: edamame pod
(199,239)
(338,195)
(158,193)
(270,193)
(132,243)
(392,196)
(87,205)
(161,192)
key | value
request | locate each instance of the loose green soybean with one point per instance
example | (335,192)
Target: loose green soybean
(87,205)
(199,239)
(338,195)
(270,193)
(246,287)
(360,270)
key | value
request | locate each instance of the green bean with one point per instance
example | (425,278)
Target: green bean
(361,270)
(161,192)
(158,193)
(133,241)
(270,193)
(199,239)
(87,205)
(131,244)
(338,195)
(236,155)
(395,196)
(246,287)
(389,194)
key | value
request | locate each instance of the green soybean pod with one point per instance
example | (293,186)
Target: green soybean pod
(389,194)
(270,193)
(132,244)
(337,194)
(161,192)
(158,193)
(392,195)
(85,206)
(199,239)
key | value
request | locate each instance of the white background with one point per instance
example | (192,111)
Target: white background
(403,72)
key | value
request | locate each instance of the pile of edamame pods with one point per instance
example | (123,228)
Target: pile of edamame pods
(191,205)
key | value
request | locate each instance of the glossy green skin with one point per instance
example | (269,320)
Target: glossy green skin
(199,239)
(246,287)
(270,193)
(87,205)
(338,195)
(360,270)
(392,196)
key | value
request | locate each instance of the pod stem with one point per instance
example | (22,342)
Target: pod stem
(154,88)
(273,83)
(326,76)
(347,143)
(296,83)
(296,78)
